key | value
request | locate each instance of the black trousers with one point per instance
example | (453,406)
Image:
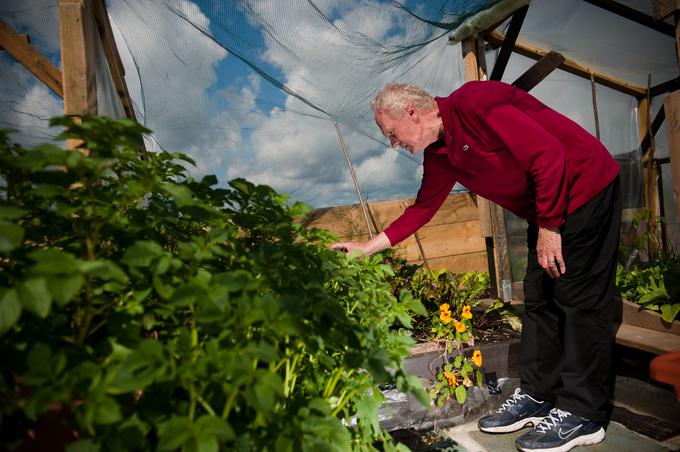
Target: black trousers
(567,337)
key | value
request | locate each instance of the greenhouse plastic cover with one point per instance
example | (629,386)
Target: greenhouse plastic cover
(253,88)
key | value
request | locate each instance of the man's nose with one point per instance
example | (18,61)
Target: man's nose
(394,142)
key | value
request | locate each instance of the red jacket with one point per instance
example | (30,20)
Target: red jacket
(508,147)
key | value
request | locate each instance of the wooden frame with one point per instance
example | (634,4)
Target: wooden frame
(672,109)
(496,39)
(77,33)
(536,73)
(509,43)
(634,15)
(112,56)
(20,48)
(78,20)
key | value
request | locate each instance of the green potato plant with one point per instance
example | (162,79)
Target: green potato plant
(153,311)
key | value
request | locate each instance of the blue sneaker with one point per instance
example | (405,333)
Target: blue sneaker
(559,432)
(515,413)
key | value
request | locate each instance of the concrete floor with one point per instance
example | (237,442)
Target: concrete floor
(618,439)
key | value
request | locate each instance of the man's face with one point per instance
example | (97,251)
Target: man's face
(406,131)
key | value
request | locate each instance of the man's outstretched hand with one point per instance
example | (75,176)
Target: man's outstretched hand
(376,244)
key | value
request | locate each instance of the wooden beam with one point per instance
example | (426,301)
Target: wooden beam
(676,16)
(633,15)
(496,39)
(664,8)
(509,42)
(20,48)
(539,71)
(665,87)
(656,125)
(112,56)
(671,105)
(77,36)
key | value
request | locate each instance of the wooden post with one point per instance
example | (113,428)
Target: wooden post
(112,56)
(77,36)
(649,199)
(491,216)
(20,48)
(671,104)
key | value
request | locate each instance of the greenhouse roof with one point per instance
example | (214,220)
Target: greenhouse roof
(254,88)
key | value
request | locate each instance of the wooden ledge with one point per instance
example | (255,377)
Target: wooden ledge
(646,339)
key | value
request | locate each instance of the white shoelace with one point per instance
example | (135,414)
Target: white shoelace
(512,400)
(551,420)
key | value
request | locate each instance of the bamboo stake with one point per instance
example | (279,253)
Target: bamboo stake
(364,211)
(651,179)
(420,244)
(597,116)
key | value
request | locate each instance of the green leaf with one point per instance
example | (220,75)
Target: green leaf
(461,394)
(367,410)
(11,212)
(83,445)
(10,309)
(11,236)
(141,254)
(264,393)
(106,411)
(103,269)
(181,194)
(216,427)
(209,179)
(669,312)
(52,261)
(416,306)
(35,296)
(458,361)
(403,318)
(64,288)
(172,434)
(187,294)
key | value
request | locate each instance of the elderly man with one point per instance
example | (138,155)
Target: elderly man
(508,147)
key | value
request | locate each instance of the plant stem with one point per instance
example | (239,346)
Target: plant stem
(347,398)
(229,403)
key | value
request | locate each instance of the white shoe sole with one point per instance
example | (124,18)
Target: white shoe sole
(512,427)
(584,440)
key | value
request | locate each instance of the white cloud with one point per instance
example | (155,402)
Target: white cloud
(175,63)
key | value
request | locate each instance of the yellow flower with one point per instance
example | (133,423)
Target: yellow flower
(445,317)
(466,314)
(444,307)
(477,358)
(451,378)
(459,326)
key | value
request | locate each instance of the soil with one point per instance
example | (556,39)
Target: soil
(501,335)
(485,336)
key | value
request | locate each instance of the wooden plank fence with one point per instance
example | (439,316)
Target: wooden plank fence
(451,240)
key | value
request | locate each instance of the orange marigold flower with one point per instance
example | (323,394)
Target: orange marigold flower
(444,307)
(466,314)
(451,378)
(445,317)
(477,358)
(459,326)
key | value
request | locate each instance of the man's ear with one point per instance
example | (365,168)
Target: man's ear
(411,112)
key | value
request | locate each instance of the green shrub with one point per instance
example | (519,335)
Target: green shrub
(160,312)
